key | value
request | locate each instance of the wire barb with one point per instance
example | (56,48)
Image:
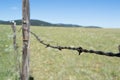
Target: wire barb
(79,50)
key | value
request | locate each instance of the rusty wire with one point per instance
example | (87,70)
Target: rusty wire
(78,49)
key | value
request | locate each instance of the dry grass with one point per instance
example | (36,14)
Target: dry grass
(50,64)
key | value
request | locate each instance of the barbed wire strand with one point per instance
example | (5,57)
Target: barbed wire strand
(78,49)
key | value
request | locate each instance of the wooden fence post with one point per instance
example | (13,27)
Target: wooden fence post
(26,41)
(16,54)
(14,34)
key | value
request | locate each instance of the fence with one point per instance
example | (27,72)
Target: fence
(78,49)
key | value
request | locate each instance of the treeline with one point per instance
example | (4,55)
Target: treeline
(44,23)
(4,22)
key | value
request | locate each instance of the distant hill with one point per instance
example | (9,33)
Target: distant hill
(44,23)
(92,27)
(4,22)
(67,25)
(35,23)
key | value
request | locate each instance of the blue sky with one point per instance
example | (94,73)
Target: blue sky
(104,13)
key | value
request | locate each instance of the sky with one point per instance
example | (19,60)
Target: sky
(103,13)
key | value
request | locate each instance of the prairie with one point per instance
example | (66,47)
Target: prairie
(51,64)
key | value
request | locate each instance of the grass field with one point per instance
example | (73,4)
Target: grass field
(50,64)
(6,53)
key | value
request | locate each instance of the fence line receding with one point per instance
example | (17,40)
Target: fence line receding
(78,49)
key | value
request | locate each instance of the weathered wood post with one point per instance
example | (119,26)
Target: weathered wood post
(26,41)
(13,26)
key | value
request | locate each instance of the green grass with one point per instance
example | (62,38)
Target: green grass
(50,64)
(7,55)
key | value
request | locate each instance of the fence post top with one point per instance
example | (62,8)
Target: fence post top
(13,22)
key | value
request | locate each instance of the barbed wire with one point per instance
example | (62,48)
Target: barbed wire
(78,49)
